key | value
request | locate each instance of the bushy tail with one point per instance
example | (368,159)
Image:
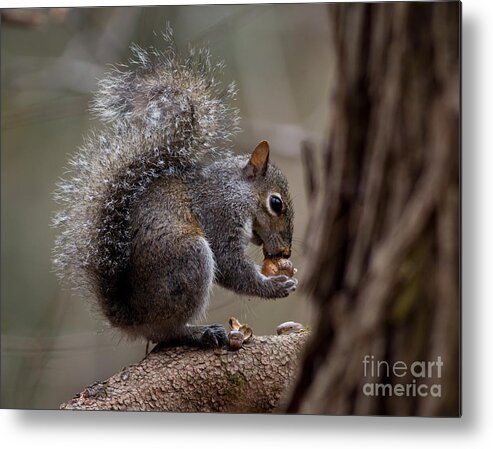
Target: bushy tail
(163,113)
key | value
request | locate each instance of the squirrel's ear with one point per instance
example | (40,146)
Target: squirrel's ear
(257,165)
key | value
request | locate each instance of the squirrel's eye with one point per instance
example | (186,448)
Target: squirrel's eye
(275,204)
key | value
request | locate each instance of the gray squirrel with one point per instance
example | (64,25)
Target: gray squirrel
(156,209)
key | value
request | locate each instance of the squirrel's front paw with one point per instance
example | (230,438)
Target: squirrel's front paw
(215,336)
(281,286)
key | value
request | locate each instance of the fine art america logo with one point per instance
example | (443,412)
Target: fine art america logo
(416,375)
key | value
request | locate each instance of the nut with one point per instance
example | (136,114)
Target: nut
(236,339)
(239,334)
(278,266)
(290,327)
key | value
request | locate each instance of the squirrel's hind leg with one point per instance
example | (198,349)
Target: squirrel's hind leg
(201,336)
(176,292)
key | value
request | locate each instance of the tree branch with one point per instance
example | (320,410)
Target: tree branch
(184,379)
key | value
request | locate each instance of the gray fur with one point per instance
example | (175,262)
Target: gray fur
(147,225)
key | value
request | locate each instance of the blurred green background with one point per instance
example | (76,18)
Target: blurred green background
(52,345)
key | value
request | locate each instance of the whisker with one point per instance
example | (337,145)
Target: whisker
(296,251)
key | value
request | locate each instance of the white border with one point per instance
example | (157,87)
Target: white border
(87,430)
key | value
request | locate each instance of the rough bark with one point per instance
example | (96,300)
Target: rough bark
(382,266)
(185,379)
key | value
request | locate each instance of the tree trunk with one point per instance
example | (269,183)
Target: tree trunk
(382,253)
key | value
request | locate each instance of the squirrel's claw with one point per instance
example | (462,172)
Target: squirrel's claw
(214,336)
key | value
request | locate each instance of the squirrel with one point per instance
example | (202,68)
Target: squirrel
(156,208)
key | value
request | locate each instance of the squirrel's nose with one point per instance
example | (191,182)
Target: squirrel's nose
(286,252)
